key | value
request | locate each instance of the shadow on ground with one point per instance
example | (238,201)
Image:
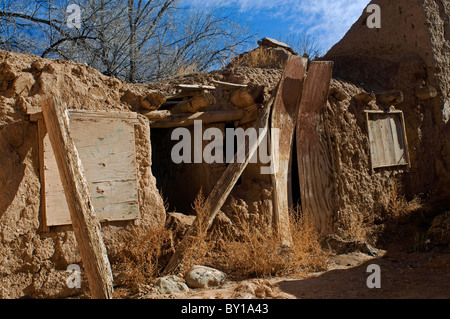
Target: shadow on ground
(419,275)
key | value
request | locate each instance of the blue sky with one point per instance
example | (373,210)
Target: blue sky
(327,20)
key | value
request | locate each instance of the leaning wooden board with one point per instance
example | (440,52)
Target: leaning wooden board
(314,159)
(106,144)
(283,122)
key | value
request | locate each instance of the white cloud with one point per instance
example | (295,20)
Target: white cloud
(328,19)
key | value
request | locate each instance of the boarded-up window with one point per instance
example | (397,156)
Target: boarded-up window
(387,137)
(106,145)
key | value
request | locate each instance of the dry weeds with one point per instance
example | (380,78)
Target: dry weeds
(259,58)
(140,255)
(257,252)
(398,206)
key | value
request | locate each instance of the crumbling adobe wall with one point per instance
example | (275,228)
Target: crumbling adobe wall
(409,51)
(181,183)
(31,262)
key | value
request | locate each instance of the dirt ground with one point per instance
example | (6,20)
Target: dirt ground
(404,275)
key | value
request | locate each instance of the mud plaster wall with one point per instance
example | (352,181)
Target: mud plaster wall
(358,195)
(31,262)
(180,183)
(411,49)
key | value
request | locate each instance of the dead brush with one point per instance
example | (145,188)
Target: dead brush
(399,208)
(308,254)
(257,253)
(259,58)
(139,256)
(200,244)
(357,226)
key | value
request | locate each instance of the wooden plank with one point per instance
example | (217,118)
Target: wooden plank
(85,224)
(284,119)
(42,132)
(314,159)
(194,87)
(107,149)
(232,86)
(224,186)
(180,120)
(36,114)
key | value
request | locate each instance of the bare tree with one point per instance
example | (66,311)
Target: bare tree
(304,44)
(136,40)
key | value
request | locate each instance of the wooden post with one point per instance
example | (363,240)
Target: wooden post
(314,159)
(224,186)
(284,119)
(85,224)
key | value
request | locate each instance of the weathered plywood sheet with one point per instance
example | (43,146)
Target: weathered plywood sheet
(314,159)
(284,119)
(108,154)
(388,145)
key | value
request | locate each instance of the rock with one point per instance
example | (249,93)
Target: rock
(339,246)
(439,232)
(204,277)
(179,224)
(171,285)
(272,43)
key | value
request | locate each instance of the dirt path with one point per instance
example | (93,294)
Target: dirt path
(420,275)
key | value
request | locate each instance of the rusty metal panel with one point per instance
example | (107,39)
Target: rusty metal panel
(387,138)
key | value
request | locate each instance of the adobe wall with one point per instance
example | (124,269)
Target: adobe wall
(31,262)
(410,50)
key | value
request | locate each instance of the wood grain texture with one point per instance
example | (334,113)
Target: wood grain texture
(387,138)
(106,146)
(284,119)
(85,224)
(314,159)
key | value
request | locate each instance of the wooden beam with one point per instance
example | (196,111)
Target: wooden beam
(392,97)
(228,85)
(314,159)
(85,224)
(284,119)
(224,186)
(194,104)
(194,87)
(426,92)
(169,120)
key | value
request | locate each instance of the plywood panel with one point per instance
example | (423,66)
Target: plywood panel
(107,150)
(284,119)
(388,144)
(314,160)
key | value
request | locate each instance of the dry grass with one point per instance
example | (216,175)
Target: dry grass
(145,251)
(357,227)
(398,206)
(140,255)
(200,244)
(258,253)
(259,58)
